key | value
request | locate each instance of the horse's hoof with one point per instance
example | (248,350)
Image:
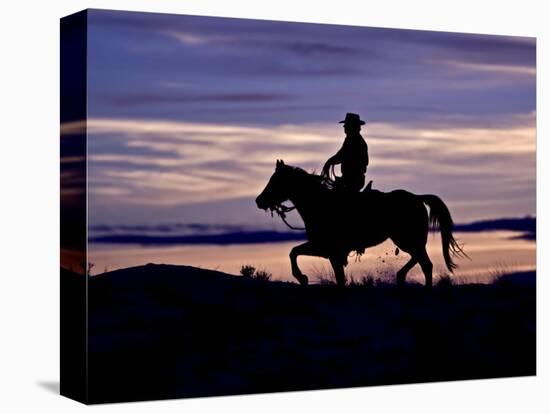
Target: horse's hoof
(303,280)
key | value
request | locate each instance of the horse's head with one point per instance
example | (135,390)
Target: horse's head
(277,189)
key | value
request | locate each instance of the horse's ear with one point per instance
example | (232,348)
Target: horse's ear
(278,164)
(282,162)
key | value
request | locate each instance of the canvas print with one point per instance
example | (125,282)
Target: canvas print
(255,206)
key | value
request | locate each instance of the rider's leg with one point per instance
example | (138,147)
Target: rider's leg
(353,182)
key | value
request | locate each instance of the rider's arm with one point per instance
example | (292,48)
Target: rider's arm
(335,159)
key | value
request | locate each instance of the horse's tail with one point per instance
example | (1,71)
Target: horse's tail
(440,217)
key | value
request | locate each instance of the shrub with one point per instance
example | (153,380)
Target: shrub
(251,272)
(445,281)
(262,275)
(247,271)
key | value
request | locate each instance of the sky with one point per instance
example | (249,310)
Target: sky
(187,114)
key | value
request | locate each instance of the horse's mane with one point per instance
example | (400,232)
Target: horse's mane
(314,178)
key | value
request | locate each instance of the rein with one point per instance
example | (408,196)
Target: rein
(281,211)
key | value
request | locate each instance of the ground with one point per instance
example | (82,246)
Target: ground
(162,331)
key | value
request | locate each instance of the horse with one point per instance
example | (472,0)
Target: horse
(338,222)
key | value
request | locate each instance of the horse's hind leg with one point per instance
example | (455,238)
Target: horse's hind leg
(427,266)
(402,273)
(339,273)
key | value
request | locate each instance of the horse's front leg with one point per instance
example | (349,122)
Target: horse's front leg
(304,249)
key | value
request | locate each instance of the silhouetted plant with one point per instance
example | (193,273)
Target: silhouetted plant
(445,281)
(499,271)
(247,271)
(251,272)
(87,267)
(323,275)
(262,275)
(367,281)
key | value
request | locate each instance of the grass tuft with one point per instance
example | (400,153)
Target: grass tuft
(247,271)
(445,281)
(323,275)
(250,272)
(262,276)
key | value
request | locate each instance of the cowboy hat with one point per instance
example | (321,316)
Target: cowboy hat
(352,119)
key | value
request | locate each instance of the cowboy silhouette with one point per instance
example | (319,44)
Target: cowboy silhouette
(353,157)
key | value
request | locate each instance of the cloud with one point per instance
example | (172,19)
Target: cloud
(186,110)
(172,98)
(187,163)
(522,70)
(74,128)
(478,48)
(241,71)
(187,38)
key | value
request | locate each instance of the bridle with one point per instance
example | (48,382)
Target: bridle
(281,211)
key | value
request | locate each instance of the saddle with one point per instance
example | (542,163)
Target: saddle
(339,186)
